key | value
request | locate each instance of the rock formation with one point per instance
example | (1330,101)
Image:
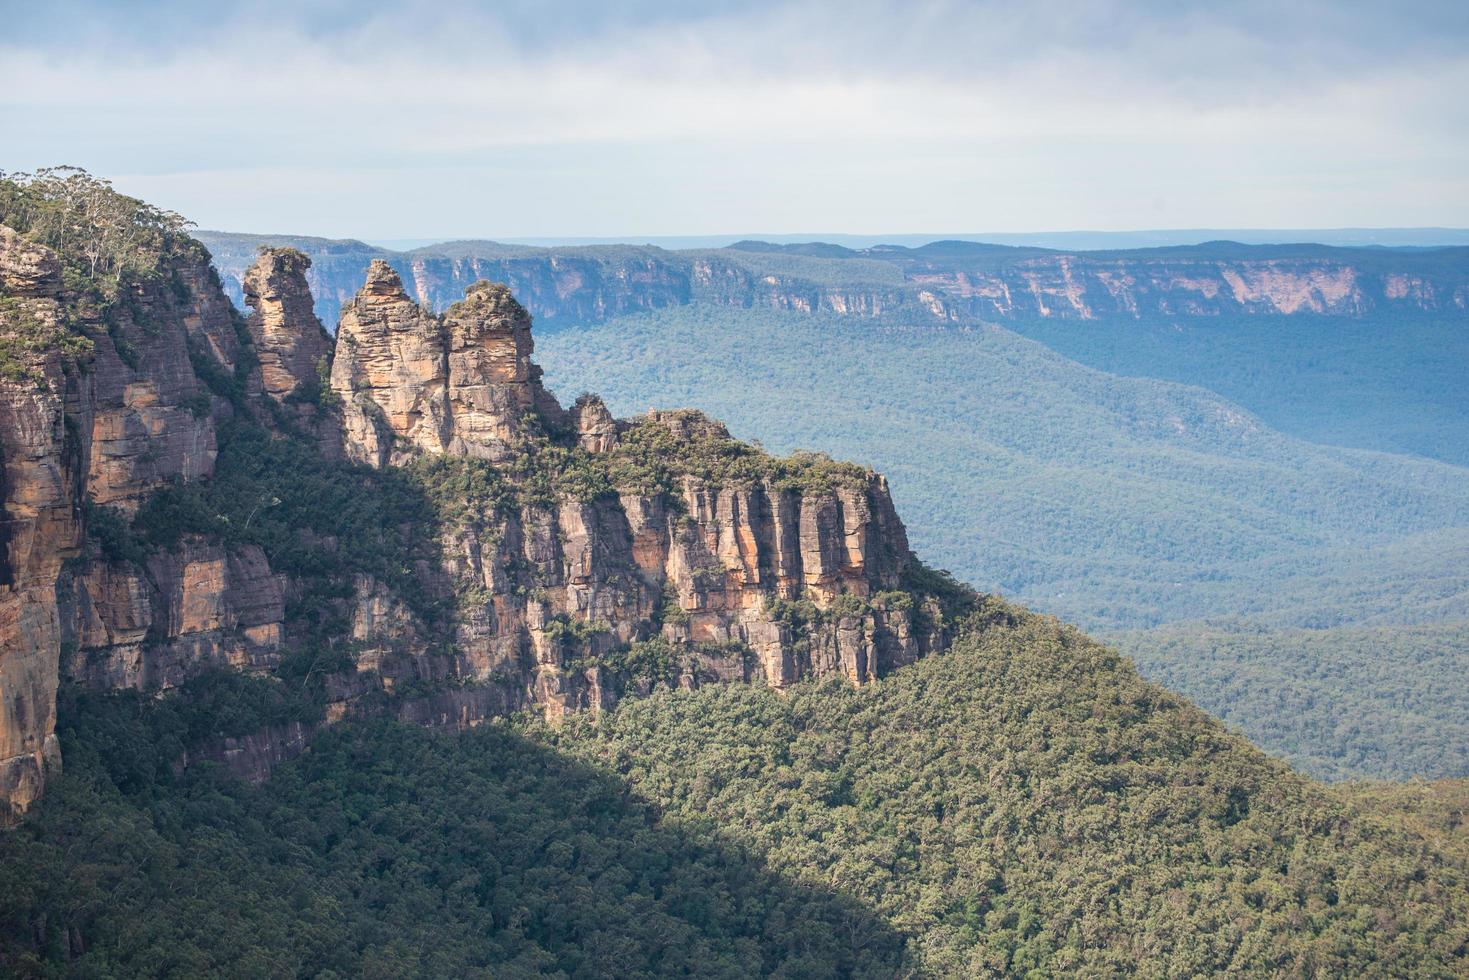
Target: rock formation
(152,626)
(944,281)
(492,382)
(412,381)
(294,349)
(596,429)
(40,527)
(698,569)
(97,436)
(564,596)
(390,372)
(705,569)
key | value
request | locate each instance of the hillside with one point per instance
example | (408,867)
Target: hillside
(1117,503)
(1021,803)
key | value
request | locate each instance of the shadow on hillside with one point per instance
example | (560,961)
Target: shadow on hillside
(391,851)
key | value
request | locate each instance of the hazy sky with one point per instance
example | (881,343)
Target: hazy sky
(563,117)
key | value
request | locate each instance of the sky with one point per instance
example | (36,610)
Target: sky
(545,118)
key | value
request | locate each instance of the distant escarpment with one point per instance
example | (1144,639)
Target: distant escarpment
(401,520)
(940,282)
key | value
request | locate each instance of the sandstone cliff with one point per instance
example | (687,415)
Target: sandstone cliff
(555,592)
(104,401)
(411,381)
(568,558)
(40,528)
(940,282)
(294,348)
(1206,280)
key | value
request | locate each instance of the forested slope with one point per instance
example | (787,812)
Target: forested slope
(1023,803)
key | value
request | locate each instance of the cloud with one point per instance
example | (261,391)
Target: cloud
(581,118)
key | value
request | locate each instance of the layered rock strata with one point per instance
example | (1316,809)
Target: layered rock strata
(295,350)
(567,585)
(40,528)
(411,381)
(560,602)
(104,431)
(944,281)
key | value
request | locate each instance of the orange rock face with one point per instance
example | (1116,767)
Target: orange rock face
(290,340)
(39,531)
(411,381)
(135,416)
(529,607)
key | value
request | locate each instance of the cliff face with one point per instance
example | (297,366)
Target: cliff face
(294,348)
(571,285)
(144,415)
(944,281)
(1102,287)
(151,625)
(86,438)
(704,570)
(40,529)
(410,381)
(560,589)
(103,429)
(613,555)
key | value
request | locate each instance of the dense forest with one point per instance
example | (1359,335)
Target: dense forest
(1338,702)
(1122,504)
(1023,804)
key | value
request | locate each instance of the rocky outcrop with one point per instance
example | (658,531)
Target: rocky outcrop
(552,596)
(101,428)
(293,348)
(40,528)
(492,382)
(150,628)
(390,372)
(596,429)
(27,270)
(145,414)
(564,595)
(560,594)
(410,381)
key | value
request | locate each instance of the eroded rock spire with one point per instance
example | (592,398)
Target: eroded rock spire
(411,380)
(289,339)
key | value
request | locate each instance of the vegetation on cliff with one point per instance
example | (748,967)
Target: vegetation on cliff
(107,244)
(1024,803)
(25,339)
(104,238)
(318,520)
